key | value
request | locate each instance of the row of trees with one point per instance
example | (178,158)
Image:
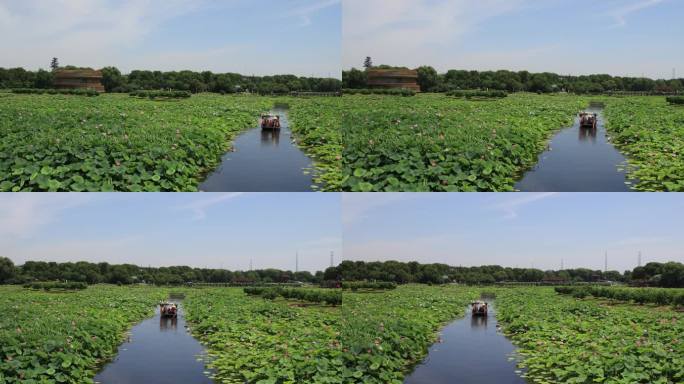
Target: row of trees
(93,273)
(195,82)
(653,274)
(432,81)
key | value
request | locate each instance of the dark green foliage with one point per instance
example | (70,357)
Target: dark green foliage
(478,94)
(524,81)
(329,297)
(161,94)
(671,274)
(7,270)
(93,273)
(55,285)
(679,100)
(660,296)
(381,91)
(74,92)
(378,285)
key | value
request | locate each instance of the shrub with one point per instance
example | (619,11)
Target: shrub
(356,285)
(152,95)
(74,92)
(381,91)
(477,94)
(55,285)
(678,100)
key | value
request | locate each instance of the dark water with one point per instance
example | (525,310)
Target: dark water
(578,160)
(159,351)
(471,351)
(262,161)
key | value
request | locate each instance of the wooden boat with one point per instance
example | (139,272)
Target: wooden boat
(479,308)
(168,309)
(270,121)
(588,120)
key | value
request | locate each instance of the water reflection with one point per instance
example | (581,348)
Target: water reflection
(587,134)
(168,323)
(478,322)
(270,137)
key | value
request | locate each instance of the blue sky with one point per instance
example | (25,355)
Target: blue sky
(258,37)
(522,229)
(200,229)
(618,37)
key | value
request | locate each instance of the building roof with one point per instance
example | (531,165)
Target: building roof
(77,73)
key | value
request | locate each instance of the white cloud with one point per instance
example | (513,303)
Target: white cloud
(620,14)
(305,12)
(401,31)
(511,206)
(355,206)
(23,214)
(203,202)
(81,32)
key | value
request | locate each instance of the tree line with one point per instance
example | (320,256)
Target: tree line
(94,273)
(668,275)
(195,82)
(523,81)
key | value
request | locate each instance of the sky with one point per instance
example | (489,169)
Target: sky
(252,37)
(214,230)
(517,230)
(617,37)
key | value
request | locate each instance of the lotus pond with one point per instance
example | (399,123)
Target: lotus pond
(119,143)
(434,142)
(560,339)
(266,340)
(65,337)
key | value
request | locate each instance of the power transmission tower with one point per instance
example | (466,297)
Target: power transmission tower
(332,259)
(250,264)
(562,265)
(605,262)
(297,262)
(639,260)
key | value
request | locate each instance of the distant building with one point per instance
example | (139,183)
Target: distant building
(393,78)
(78,78)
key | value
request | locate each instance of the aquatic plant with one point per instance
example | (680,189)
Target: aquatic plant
(651,133)
(66,337)
(356,285)
(119,143)
(251,340)
(565,340)
(384,335)
(439,143)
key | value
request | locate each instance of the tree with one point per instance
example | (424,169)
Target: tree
(7,270)
(54,64)
(354,79)
(111,78)
(427,78)
(43,79)
(368,63)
